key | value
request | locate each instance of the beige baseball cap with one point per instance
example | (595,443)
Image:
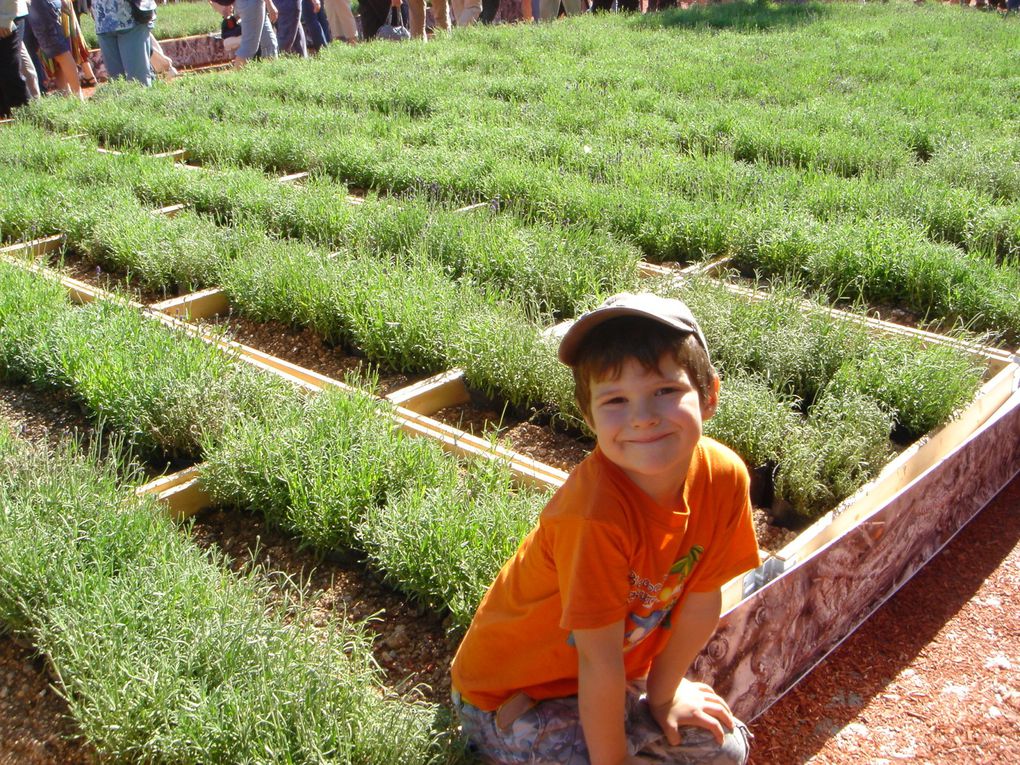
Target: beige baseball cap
(669,311)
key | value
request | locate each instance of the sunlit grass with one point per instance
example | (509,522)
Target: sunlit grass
(163,654)
(820,141)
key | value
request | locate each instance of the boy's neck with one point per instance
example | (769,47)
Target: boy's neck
(668,493)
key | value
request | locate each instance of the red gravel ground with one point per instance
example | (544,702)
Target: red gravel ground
(931,677)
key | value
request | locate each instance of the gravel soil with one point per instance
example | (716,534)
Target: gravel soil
(929,678)
(308,350)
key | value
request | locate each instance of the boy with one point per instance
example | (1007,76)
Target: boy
(578,651)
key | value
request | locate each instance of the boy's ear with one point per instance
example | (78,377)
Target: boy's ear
(710,404)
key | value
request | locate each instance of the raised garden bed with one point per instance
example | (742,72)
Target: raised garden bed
(434,395)
(832,575)
(843,539)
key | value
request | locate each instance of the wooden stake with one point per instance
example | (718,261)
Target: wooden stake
(293,177)
(170,210)
(429,396)
(181,493)
(196,305)
(35,247)
(469,208)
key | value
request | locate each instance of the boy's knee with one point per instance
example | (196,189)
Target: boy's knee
(736,747)
(699,747)
(734,750)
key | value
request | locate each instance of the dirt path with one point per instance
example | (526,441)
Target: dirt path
(931,677)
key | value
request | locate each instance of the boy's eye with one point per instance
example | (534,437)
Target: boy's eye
(668,390)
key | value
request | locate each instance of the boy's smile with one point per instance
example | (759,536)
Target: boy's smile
(648,423)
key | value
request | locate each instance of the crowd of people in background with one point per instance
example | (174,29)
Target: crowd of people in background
(42,46)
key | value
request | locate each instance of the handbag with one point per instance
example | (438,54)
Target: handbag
(394,29)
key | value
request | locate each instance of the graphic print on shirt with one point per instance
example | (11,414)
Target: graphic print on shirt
(651,602)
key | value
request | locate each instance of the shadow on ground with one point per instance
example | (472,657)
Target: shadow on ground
(757,16)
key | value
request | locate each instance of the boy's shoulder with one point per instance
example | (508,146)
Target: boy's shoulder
(719,458)
(716,470)
(592,486)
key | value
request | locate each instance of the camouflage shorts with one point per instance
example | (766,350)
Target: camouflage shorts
(550,733)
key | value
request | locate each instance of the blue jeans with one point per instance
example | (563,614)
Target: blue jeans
(315,24)
(257,35)
(290,35)
(126,53)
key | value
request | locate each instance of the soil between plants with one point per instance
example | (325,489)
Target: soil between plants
(307,349)
(116,282)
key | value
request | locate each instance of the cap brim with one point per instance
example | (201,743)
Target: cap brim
(579,329)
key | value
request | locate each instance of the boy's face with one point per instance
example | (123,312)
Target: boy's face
(648,423)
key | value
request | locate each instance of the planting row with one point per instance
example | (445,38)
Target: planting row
(784,374)
(165,656)
(333,469)
(862,191)
(55,182)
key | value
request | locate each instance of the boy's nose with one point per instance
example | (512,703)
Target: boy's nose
(643,413)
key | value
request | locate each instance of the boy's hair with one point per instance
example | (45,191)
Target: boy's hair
(606,347)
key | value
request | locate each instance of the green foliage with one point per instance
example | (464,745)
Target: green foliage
(165,656)
(842,445)
(162,390)
(313,467)
(444,537)
(817,141)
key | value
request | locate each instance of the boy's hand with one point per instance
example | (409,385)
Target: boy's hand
(694,704)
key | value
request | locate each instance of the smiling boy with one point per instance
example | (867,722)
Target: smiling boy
(578,652)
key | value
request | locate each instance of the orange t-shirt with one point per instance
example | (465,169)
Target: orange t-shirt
(603,551)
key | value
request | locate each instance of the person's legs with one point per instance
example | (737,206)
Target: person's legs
(109,46)
(373,15)
(548,9)
(416,9)
(489,10)
(574,7)
(269,47)
(44,18)
(28,70)
(550,732)
(315,35)
(13,90)
(289,35)
(469,13)
(697,745)
(441,14)
(254,34)
(341,20)
(135,52)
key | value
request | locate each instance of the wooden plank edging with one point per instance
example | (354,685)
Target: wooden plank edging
(766,644)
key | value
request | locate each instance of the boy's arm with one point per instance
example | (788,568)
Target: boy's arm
(601,691)
(673,700)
